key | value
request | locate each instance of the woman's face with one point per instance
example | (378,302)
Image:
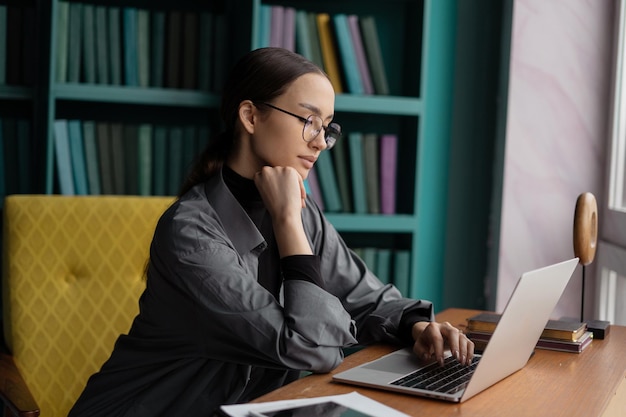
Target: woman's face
(277,137)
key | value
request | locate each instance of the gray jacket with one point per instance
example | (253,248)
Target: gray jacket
(209,334)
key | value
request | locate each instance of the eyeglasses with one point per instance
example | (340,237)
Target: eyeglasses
(313,125)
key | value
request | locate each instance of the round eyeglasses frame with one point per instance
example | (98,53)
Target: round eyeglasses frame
(332,132)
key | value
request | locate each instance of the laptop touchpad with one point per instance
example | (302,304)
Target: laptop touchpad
(397,363)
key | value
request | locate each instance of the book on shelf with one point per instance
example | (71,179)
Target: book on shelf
(371,156)
(131,59)
(358,174)
(101,30)
(276,27)
(90,145)
(105,159)
(144,159)
(62,40)
(116,131)
(402,270)
(314,37)
(75,35)
(359,52)
(329,51)
(481,339)
(131,158)
(328,182)
(383,265)
(115,45)
(77,155)
(289,29)
(63,157)
(89,44)
(157,47)
(342,170)
(143,47)
(387,169)
(554,329)
(373,51)
(314,188)
(347,54)
(264,25)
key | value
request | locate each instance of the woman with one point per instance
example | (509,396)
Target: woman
(248,283)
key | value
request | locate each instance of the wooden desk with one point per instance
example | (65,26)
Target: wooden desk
(551,384)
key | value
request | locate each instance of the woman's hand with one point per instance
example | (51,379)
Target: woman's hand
(283,194)
(432,338)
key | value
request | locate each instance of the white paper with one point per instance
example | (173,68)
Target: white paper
(354,400)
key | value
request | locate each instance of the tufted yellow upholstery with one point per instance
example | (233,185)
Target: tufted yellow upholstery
(72,274)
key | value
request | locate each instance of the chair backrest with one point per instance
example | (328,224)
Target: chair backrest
(73,270)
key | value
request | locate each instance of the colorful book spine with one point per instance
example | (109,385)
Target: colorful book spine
(77,155)
(315,189)
(402,270)
(90,145)
(347,53)
(375,60)
(342,169)
(144,159)
(383,265)
(289,29)
(277,26)
(63,157)
(371,157)
(103,138)
(117,158)
(357,169)
(359,52)
(328,182)
(115,45)
(143,48)
(101,24)
(89,44)
(329,52)
(75,36)
(388,162)
(131,65)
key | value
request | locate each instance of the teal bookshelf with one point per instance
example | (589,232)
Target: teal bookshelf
(418,49)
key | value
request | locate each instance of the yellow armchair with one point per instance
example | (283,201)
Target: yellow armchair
(73,270)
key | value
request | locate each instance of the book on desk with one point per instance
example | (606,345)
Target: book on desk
(562,335)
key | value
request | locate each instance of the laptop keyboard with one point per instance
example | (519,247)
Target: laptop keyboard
(447,378)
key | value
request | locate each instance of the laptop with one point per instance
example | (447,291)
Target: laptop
(509,349)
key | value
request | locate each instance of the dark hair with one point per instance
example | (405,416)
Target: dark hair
(260,75)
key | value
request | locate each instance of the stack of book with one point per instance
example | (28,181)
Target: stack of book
(562,335)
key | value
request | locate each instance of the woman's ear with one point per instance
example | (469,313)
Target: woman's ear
(248,115)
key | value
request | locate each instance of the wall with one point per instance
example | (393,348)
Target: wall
(555,136)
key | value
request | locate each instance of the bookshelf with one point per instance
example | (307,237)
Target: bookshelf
(417,57)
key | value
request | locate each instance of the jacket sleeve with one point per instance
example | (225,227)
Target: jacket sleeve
(377,309)
(214,293)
